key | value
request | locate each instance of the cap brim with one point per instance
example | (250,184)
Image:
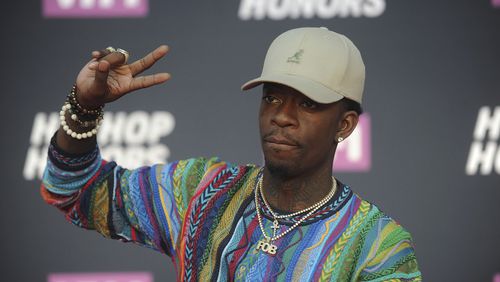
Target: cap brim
(312,89)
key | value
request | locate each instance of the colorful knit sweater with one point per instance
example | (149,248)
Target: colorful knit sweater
(201,212)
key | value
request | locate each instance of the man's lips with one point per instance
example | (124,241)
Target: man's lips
(280,141)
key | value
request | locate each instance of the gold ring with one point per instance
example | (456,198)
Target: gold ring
(125,53)
(110,49)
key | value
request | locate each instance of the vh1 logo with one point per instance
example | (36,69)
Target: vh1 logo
(354,153)
(101,277)
(94,8)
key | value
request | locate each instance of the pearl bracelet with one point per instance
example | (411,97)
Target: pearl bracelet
(72,133)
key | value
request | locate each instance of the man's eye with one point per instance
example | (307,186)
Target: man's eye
(309,104)
(271,100)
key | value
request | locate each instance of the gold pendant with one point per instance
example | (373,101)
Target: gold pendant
(275,227)
(266,247)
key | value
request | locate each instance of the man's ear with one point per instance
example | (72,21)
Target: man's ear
(347,125)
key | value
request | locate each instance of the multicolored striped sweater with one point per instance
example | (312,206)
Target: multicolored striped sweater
(201,212)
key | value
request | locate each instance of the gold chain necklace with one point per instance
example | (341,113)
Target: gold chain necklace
(266,245)
(323,201)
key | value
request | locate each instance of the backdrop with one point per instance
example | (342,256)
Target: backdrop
(427,152)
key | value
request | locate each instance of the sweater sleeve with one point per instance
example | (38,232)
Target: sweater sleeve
(391,256)
(146,206)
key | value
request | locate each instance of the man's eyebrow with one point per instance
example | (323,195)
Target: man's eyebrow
(269,87)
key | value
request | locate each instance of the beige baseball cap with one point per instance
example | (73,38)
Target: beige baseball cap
(323,65)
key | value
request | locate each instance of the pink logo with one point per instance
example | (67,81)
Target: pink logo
(354,153)
(94,8)
(101,277)
(496,278)
(495,3)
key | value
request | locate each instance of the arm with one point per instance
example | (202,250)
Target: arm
(391,256)
(146,206)
(96,194)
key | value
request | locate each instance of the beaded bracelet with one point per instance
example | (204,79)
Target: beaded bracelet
(77,108)
(84,117)
(78,135)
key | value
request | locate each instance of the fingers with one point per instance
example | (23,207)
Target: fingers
(105,61)
(99,54)
(150,59)
(101,73)
(114,58)
(148,80)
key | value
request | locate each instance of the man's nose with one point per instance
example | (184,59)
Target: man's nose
(286,115)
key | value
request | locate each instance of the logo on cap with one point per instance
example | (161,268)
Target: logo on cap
(296,57)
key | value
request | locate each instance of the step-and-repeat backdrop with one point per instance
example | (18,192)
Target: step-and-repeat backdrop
(427,150)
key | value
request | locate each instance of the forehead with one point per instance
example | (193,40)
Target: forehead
(276,88)
(271,88)
(327,110)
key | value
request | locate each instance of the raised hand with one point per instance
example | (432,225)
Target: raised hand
(107,77)
(104,79)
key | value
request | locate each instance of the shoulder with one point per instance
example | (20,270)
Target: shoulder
(379,223)
(204,168)
(387,250)
(196,174)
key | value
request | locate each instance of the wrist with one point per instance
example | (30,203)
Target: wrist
(76,126)
(83,103)
(78,121)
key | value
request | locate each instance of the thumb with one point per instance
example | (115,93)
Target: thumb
(101,74)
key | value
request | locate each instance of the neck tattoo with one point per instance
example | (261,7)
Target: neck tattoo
(266,245)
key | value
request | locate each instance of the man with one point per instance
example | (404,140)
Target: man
(289,220)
